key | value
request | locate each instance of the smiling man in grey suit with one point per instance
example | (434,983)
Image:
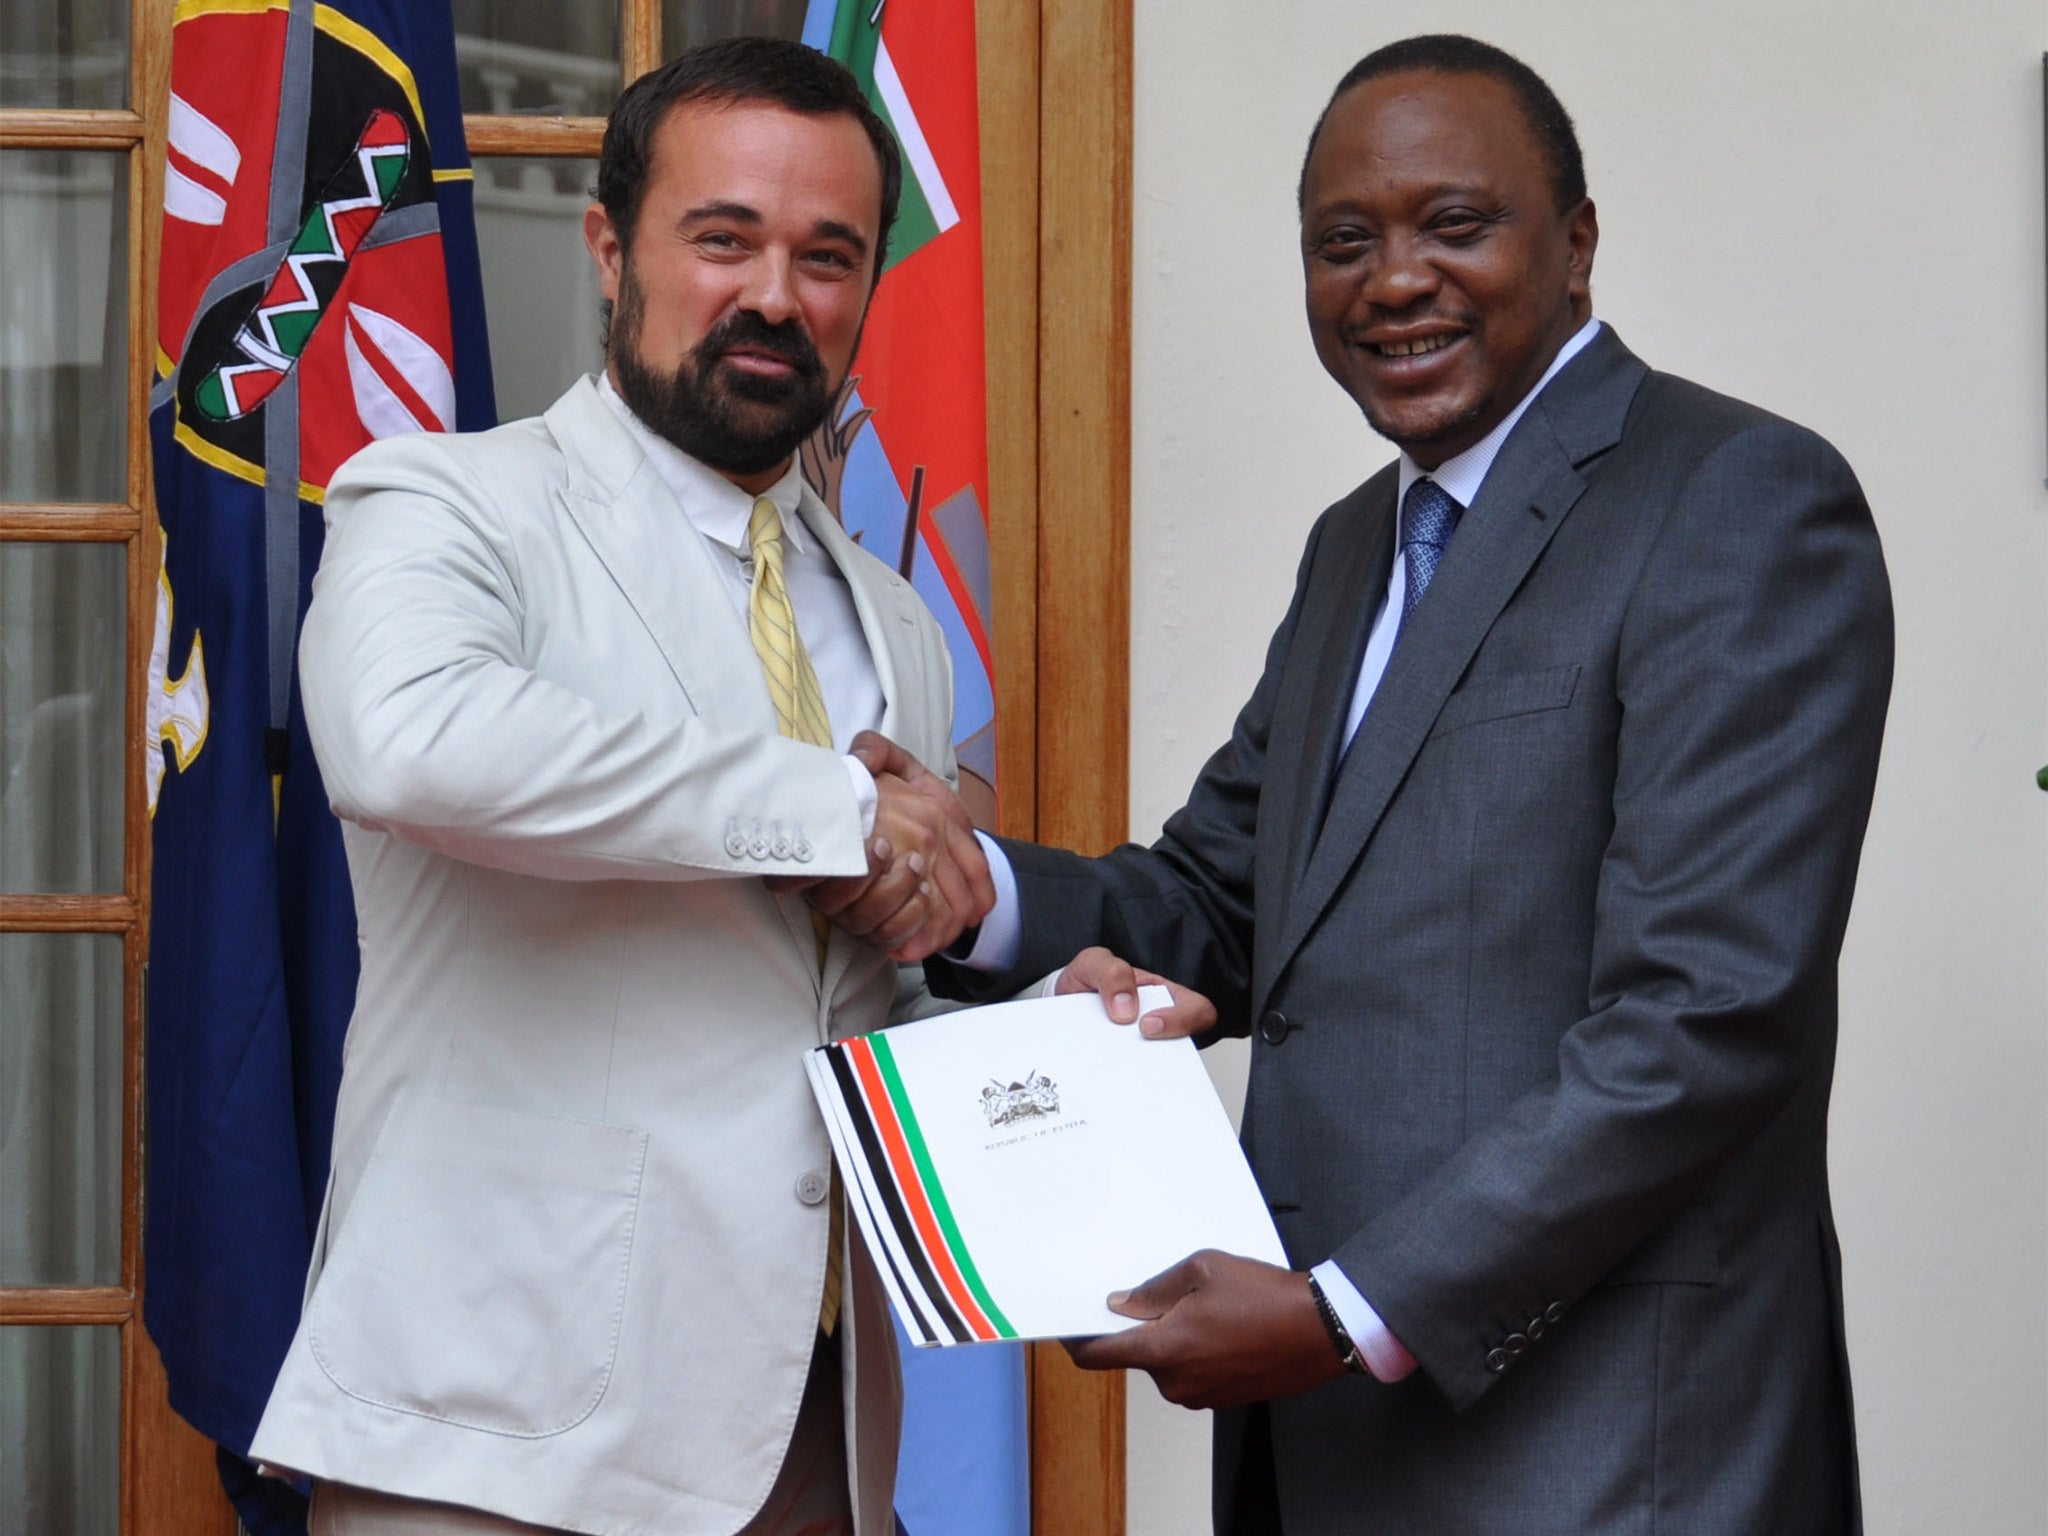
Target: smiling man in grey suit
(584,691)
(1526,867)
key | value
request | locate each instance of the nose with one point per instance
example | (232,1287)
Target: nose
(1401,276)
(770,290)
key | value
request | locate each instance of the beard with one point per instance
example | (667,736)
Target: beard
(737,422)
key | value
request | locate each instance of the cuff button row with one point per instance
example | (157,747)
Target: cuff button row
(759,842)
(1515,1345)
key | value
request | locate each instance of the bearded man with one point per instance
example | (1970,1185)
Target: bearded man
(584,691)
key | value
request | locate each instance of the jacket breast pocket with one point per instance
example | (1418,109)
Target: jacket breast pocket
(1498,698)
(480,1275)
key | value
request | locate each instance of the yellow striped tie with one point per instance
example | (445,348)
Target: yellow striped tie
(800,715)
(771,624)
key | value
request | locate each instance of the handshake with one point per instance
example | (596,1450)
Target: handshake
(927,880)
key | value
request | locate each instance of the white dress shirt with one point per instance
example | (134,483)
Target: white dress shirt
(1002,934)
(825,615)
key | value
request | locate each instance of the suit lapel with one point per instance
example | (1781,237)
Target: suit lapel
(1533,485)
(889,624)
(1347,579)
(888,620)
(665,570)
(661,564)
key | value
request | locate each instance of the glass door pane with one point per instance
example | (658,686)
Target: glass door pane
(63,325)
(60,1431)
(540,287)
(686,23)
(63,693)
(60,1110)
(64,53)
(552,60)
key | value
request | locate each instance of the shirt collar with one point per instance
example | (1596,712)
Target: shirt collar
(716,507)
(1462,474)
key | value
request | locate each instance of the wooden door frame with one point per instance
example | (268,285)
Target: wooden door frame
(168,1482)
(1055,80)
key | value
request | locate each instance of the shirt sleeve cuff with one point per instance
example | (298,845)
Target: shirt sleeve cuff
(1001,939)
(1384,1355)
(865,795)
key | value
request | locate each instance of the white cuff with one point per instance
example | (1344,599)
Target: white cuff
(1001,938)
(865,795)
(1385,1356)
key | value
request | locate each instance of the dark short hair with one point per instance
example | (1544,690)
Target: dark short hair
(737,69)
(1447,53)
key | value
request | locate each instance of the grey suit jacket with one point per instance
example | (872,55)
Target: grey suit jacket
(1542,976)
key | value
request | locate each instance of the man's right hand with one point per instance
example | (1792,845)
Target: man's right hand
(927,879)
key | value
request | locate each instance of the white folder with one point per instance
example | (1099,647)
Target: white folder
(1012,1165)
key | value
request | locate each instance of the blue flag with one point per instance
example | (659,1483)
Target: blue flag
(319,288)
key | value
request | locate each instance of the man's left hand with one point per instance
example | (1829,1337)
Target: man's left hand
(1220,1331)
(1095,969)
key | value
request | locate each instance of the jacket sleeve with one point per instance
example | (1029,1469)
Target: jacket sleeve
(1753,670)
(429,723)
(1182,907)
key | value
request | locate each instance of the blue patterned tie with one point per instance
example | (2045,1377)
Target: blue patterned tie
(1429,516)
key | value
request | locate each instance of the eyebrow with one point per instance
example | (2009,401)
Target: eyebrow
(738,212)
(742,213)
(1345,201)
(833,229)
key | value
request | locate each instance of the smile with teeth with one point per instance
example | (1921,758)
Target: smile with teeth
(1415,348)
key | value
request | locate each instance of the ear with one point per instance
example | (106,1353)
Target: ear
(1582,235)
(602,241)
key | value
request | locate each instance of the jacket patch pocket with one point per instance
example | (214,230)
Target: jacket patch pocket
(480,1275)
(1498,698)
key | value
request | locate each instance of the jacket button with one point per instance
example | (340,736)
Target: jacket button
(1515,1343)
(1497,1361)
(1273,1027)
(812,1188)
(803,849)
(736,843)
(1554,1313)
(781,847)
(1537,1328)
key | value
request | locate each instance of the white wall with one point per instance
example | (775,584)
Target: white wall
(1833,208)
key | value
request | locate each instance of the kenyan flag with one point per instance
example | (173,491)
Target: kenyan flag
(905,465)
(928,209)
(905,461)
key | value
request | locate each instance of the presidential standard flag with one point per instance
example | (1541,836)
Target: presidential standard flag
(904,463)
(318,288)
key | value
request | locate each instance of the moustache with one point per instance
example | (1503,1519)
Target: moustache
(745,330)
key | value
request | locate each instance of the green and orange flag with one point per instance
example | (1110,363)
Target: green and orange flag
(904,463)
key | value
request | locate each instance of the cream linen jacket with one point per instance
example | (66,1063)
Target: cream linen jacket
(570,1263)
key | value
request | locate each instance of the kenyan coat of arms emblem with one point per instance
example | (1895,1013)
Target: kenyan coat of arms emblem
(1036,1096)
